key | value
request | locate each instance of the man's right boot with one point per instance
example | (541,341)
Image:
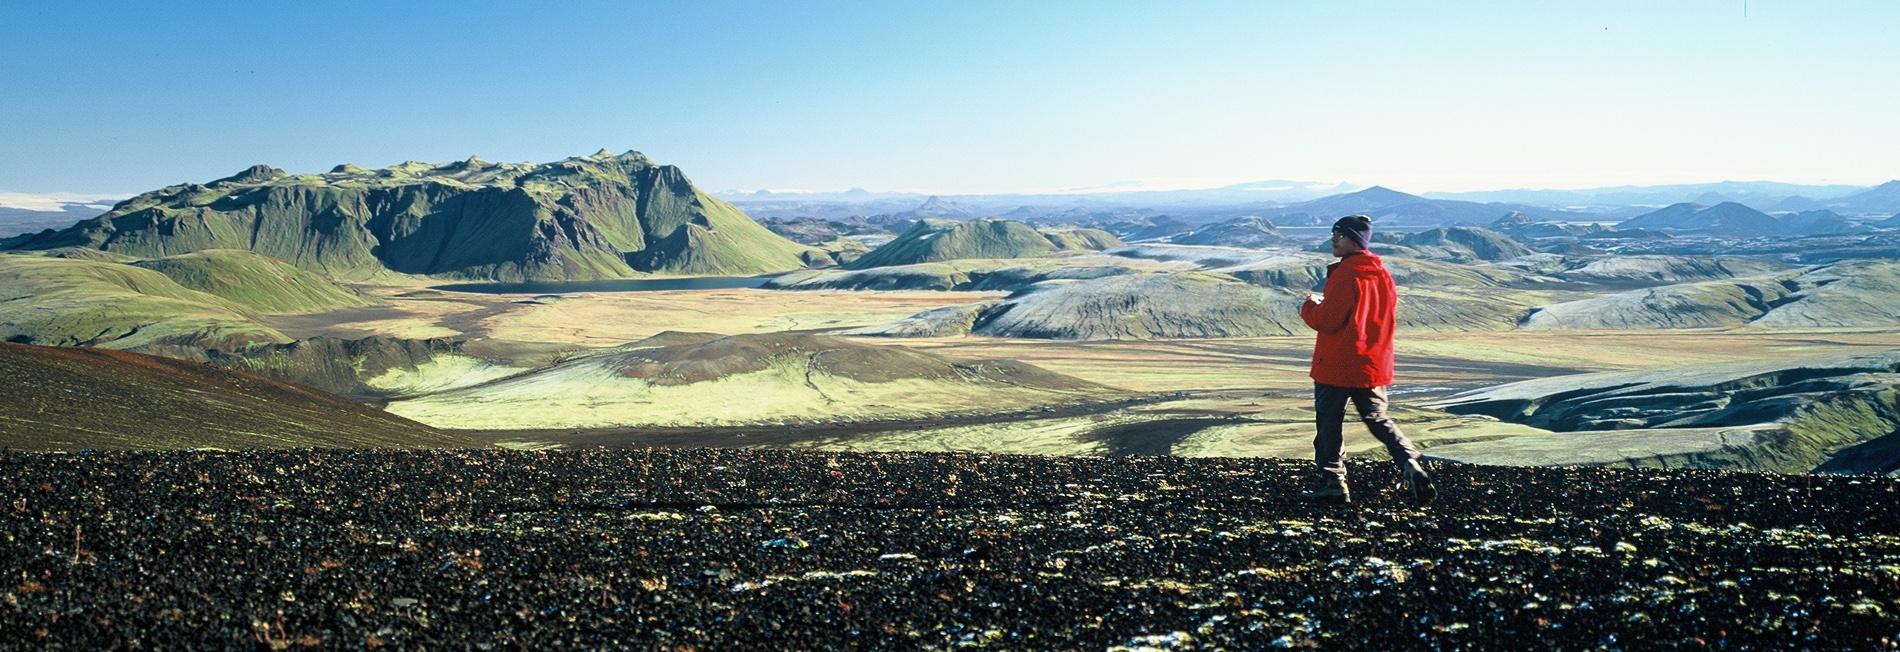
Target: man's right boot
(1327,488)
(1412,476)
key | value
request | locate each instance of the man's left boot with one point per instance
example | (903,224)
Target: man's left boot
(1328,488)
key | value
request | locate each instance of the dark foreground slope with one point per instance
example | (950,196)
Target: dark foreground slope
(723,549)
(75,398)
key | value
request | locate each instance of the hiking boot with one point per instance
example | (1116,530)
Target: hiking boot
(1327,488)
(1412,477)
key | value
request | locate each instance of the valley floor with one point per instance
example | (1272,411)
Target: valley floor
(1212,397)
(721,549)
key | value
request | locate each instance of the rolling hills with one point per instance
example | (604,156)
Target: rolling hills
(74,302)
(263,284)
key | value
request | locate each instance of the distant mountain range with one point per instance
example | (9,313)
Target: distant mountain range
(1735,220)
(599,216)
(15,221)
(1760,194)
(1389,207)
(1616,202)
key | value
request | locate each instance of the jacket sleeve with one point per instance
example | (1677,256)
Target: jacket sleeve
(1342,296)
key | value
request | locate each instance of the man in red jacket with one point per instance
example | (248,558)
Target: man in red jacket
(1352,361)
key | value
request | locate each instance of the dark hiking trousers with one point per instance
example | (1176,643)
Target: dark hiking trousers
(1329,404)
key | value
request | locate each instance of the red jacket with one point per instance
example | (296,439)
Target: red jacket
(1355,323)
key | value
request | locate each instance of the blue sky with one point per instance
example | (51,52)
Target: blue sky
(961,97)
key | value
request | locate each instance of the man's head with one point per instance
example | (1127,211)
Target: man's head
(1351,234)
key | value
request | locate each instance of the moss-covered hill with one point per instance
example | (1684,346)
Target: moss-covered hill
(257,282)
(72,302)
(208,299)
(599,216)
(69,399)
(929,241)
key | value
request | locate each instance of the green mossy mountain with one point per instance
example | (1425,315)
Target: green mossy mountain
(592,217)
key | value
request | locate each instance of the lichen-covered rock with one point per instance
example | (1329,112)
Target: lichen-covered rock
(745,549)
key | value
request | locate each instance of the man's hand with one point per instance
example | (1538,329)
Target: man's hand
(1313,299)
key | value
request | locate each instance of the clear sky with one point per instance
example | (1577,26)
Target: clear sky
(964,96)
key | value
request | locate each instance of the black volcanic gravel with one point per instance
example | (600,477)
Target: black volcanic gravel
(722,549)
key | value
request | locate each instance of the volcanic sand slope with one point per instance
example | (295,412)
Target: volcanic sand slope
(929,241)
(1119,303)
(69,399)
(1144,306)
(600,216)
(713,380)
(1665,269)
(256,282)
(770,549)
(365,368)
(1849,294)
(62,301)
(1303,270)
(1788,415)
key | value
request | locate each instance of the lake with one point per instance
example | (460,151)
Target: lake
(611,285)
